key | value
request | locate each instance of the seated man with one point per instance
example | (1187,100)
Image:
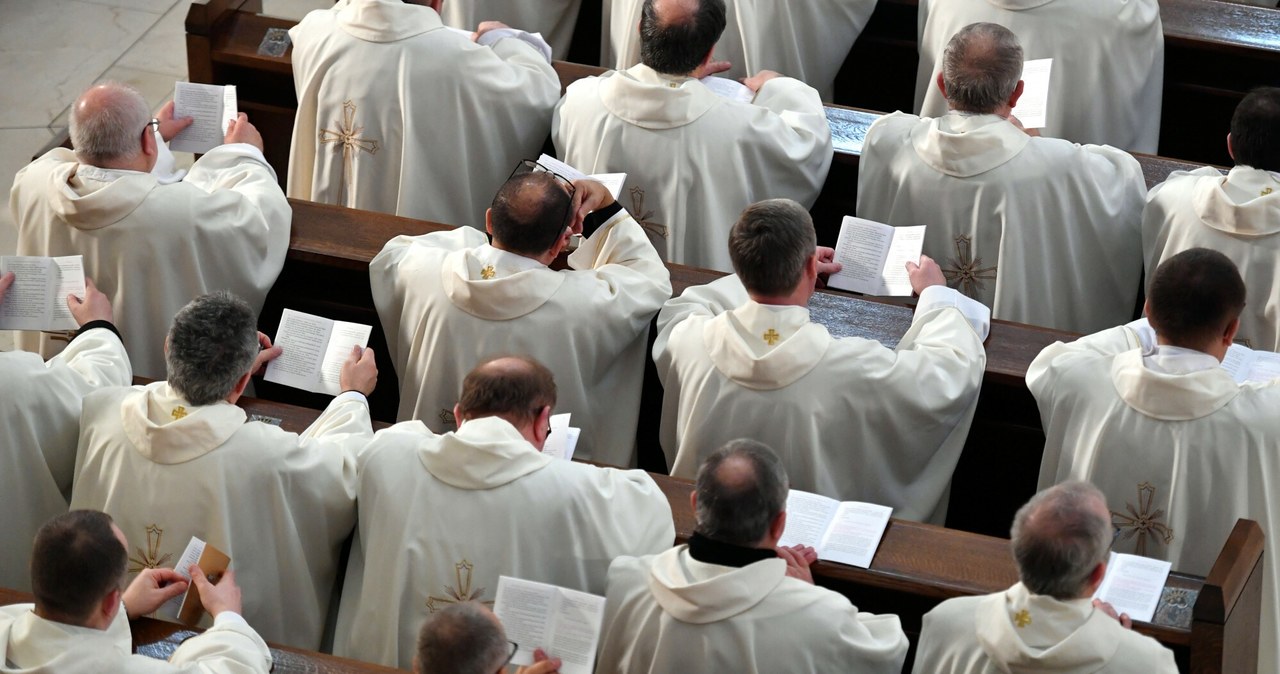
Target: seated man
(448,300)
(693,158)
(442,516)
(1238,215)
(397,113)
(80,620)
(555,20)
(177,459)
(467,638)
(151,244)
(732,600)
(1041,230)
(856,420)
(1108,62)
(1046,622)
(1177,446)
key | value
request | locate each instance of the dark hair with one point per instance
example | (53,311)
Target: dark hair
(1059,537)
(1255,138)
(511,387)
(735,506)
(1193,296)
(76,562)
(528,213)
(463,638)
(678,45)
(212,344)
(770,244)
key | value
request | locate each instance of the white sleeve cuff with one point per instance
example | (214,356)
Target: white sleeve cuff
(351,395)
(939,297)
(1146,334)
(229,618)
(534,40)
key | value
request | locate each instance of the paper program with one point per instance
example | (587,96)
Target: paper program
(313,350)
(37,300)
(212,106)
(1033,106)
(874,257)
(565,623)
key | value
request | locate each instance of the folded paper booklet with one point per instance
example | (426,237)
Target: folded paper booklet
(1033,106)
(212,106)
(731,89)
(313,350)
(613,181)
(186,608)
(1133,585)
(847,532)
(1245,364)
(562,622)
(37,300)
(874,257)
(563,439)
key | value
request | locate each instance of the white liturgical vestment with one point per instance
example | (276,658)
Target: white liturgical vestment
(278,504)
(554,19)
(398,114)
(1179,449)
(850,418)
(442,516)
(152,247)
(39,420)
(1041,230)
(448,301)
(1238,216)
(30,644)
(1108,62)
(694,159)
(1017,632)
(672,613)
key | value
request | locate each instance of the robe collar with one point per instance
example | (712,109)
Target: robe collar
(1028,632)
(37,641)
(504,262)
(167,429)
(696,592)
(98,198)
(738,343)
(499,298)
(711,551)
(644,97)
(1018,5)
(966,145)
(386,20)
(482,454)
(1171,397)
(1244,203)
(1178,360)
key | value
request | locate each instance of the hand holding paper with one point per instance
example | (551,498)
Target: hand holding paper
(151,589)
(873,257)
(212,108)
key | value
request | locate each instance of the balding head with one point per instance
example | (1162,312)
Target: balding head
(741,490)
(529,214)
(464,638)
(981,67)
(107,123)
(515,388)
(1060,537)
(676,36)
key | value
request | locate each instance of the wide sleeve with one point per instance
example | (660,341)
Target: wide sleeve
(1059,357)
(1164,202)
(231,646)
(711,299)
(345,422)
(624,261)
(642,523)
(531,74)
(803,139)
(98,357)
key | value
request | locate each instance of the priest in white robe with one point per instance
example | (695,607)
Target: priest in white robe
(399,114)
(731,600)
(1237,215)
(1041,230)
(151,242)
(1108,62)
(1178,447)
(448,300)
(177,459)
(554,20)
(39,419)
(855,420)
(693,159)
(442,516)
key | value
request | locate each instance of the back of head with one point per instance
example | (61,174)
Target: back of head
(106,123)
(1255,130)
(1194,296)
(675,35)
(76,562)
(464,638)
(741,489)
(529,213)
(515,388)
(1059,537)
(212,343)
(770,244)
(981,67)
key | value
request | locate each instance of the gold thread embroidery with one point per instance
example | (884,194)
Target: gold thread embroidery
(1142,521)
(462,577)
(179,412)
(968,274)
(771,337)
(348,135)
(151,559)
(1022,618)
(488,272)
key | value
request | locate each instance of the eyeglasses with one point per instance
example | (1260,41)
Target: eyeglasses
(530,166)
(154,123)
(514,647)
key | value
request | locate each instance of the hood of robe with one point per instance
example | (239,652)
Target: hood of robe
(642,96)
(738,343)
(167,429)
(57,647)
(1055,635)
(386,20)
(967,145)
(497,299)
(1018,5)
(1172,397)
(85,202)
(693,592)
(1245,203)
(482,454)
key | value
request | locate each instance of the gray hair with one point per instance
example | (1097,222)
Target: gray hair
(737,506)
(1059,537)
(464,638)
(212,344)
(770,244)
(107,122)
(981,67)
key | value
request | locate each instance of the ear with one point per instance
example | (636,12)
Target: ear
(1017,93)
(542,426)
(488,221)
(241,384)
(457,415)
(1146,308)
(1230,152)
(149,142)
(1095,578)
(1229,335)
(110,605)
(942,86)
(777,526)
(693,501)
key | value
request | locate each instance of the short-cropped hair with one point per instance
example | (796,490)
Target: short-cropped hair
(212,343)
(1194,296)
(76,562)
(741,489)
(770,244)
(1059,537)
(515,388)
(1255,130)
(112,129)
(529,213)
(981,67)
(461,639)
(678,45)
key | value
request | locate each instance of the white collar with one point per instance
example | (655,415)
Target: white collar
(1168,359)
(505,263)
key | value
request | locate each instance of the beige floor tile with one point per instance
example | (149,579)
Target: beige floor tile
(157,6)
(156,88)
(16,148)
(6,340)
(164,48)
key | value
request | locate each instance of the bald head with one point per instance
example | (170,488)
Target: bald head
(529,213)
(741,490)
(677,35)
(1059,537)
(981,67)
(107,123)
(514,388)
(465,638)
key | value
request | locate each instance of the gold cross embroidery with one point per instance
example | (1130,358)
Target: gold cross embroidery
(348,135)
(1267,191)
(488,272)
(1141,521)
(968,274)
(179,412)
(771,337)
(462,576)
(1022,618)
(642,216)
(151,559)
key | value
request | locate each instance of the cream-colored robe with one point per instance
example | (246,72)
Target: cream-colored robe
(1237,215)
(588,324)
(1108,62)
(442,516)
(30,644)
(400,115)
(1041,230)
(851,419)
(152,247)
(279,504)
(694,159)
(554,19)
(39,422)
(978,635)
(1180,453)
(672,613)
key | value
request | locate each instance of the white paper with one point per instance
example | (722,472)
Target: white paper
(808,516)
(1133,585)
(730,89)
(874,257)
(313,350)
(213,107)
(563,439)
(1245,364)
(37,300)
(1033,106)
(855,533)
(342,341)
(612,181)
(70,282)
(195,549)
(562,622)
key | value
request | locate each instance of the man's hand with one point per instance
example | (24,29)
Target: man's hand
(239,130)
(798,559)
(588,196)
(6,280)
(359,373)
(266,355)
(169,127)
(541,664)
(756,82)
(925,274)
(94,307)
(1018,123)
(486,26)
(710,68)
(827,264)
(1125,621)
(225,596)
(151,589)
